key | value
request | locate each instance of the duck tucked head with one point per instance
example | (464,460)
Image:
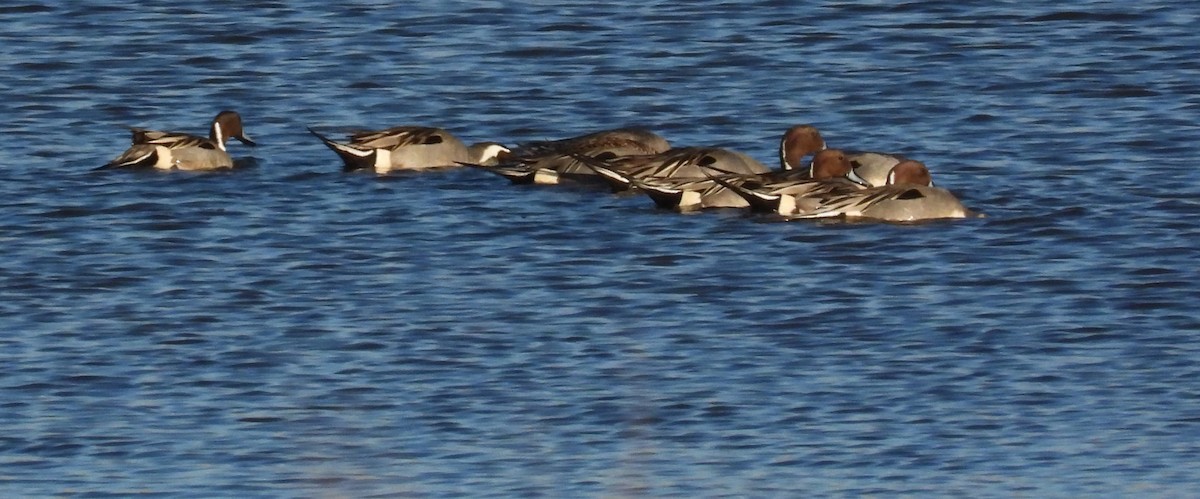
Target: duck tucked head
(488,153)
(797,142)
(829,163)
(910,172)
(228,124)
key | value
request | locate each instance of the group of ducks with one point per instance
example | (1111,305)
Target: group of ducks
(832,183)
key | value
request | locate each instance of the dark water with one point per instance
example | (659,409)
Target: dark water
(288,330)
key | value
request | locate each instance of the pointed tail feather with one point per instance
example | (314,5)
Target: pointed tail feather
(138,156)
(515,172)
(615,179)
(758,201)
(354,159)
(663,196)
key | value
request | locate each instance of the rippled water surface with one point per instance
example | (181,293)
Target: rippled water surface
(287,329)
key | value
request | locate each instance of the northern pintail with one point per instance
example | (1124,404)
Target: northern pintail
(409,148)
(909,196)
(828,175)
(796,143)
(688,194)
(869,167)
(181,151)
(872,167)
(552,161)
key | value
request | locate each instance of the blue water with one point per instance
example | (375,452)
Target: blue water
(290,330)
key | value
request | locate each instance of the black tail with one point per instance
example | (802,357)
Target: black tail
(516,173)
(664,197)
(353,159)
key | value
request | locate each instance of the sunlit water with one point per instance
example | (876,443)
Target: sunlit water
(288,329)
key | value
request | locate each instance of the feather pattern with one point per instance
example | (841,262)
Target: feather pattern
(173,150)
(409,148)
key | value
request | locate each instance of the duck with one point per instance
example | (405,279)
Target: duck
(181,151)
(907,196)
(685,194)
(868,167)
(829,174)
(551,162)
(409,148)
(796,143)
(871,168)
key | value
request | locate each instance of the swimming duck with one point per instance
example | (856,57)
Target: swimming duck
(908,196)
(180,151)
(552,161)
(409,148)
(694,193)
(869,167)
(829,175)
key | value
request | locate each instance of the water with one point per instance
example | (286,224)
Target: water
(289,330)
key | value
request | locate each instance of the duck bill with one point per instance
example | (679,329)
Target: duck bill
(853,177)
(246,140)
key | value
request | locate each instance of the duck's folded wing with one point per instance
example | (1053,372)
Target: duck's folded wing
(396,137)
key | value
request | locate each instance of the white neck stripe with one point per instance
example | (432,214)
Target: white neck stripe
(220,136)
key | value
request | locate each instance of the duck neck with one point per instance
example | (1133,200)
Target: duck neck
(217,135)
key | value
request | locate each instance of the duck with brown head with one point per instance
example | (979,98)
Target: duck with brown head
(765,193)
(798,142)
(181,151)
(909,197)
(870,167)
(679,179)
